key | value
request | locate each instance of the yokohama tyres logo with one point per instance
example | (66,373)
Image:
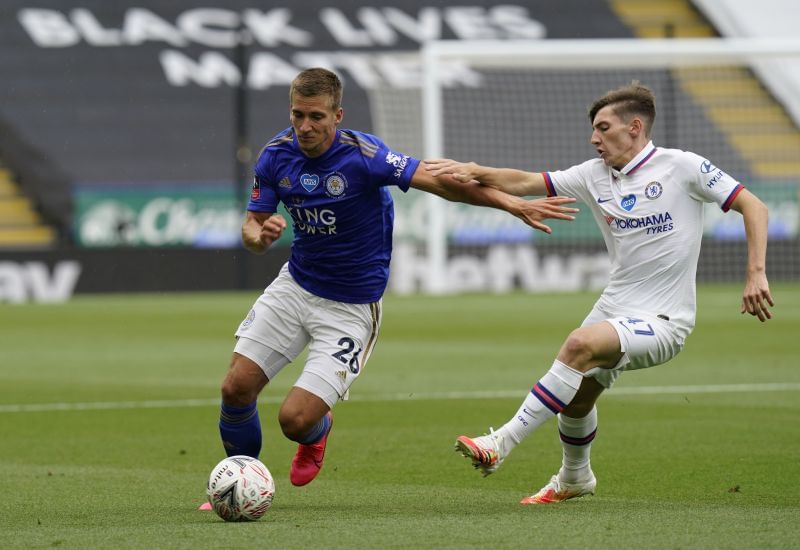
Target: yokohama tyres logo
(635,223)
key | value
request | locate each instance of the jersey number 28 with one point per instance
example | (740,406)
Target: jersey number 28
(347,356)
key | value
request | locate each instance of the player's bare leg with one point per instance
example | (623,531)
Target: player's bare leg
(240,427)
(239,424)
(307,419)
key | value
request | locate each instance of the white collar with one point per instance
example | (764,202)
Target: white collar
(640,158)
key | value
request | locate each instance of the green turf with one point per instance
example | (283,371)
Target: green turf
(675,470)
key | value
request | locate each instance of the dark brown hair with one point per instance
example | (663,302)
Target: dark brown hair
(317,82)
(627,101)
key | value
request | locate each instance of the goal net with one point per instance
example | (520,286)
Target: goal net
(525,105)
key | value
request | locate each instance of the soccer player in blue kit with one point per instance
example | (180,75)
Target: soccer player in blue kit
(648,203)
(334,184)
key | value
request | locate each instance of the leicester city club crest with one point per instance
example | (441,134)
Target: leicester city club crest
(335,185)
(248,320)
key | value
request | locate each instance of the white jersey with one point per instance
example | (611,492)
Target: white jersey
(651,217)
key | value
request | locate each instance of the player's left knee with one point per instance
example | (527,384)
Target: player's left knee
(237,392)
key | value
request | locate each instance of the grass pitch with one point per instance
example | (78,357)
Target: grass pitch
(108,423)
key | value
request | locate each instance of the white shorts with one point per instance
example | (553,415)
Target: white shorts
(286,318)
(645,341)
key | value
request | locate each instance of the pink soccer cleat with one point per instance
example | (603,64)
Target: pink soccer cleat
(485,451)
(205,507)
(307,462)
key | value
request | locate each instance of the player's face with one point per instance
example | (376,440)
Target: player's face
(613,138)
(314,123)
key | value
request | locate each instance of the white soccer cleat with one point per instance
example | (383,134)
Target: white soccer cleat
(559,491)
(484,451)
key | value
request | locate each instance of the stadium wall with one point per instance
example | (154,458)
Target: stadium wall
(55,276)
(128,109)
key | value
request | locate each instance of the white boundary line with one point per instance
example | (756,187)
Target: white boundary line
(424,396)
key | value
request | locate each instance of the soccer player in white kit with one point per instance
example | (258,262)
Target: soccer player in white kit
(648,202)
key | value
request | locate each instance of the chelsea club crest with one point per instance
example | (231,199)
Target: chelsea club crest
(653,190)
(335,185)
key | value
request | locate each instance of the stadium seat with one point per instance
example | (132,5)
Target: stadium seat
(650,18)
(21,226)
(761,132)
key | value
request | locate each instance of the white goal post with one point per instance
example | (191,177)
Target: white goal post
(701,86)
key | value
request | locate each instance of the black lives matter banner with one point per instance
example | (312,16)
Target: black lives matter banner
(118,91)
(353,35)
(139,94)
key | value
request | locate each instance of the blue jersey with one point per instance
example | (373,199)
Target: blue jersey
(342,212)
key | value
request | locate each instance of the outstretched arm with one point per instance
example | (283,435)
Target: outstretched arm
(469,191)
(261,229)
(756,295)
(508,180)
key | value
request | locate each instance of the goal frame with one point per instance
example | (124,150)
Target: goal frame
(756,53)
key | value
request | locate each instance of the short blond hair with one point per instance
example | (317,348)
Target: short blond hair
(316,82)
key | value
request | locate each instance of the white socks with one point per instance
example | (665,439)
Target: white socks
(577,435)
(549,396)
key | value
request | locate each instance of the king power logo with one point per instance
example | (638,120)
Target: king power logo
(32,281)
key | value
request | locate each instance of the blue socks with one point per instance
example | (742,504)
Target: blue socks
(317,432)
(240,429)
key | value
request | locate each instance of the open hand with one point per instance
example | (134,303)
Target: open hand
(533,211)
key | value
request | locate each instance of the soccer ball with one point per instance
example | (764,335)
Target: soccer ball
(240,488)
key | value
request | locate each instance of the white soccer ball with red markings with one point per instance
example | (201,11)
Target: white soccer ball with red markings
(240,488)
